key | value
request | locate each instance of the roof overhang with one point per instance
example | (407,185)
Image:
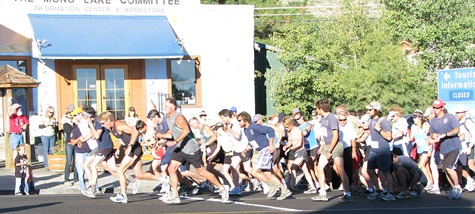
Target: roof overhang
(104,37)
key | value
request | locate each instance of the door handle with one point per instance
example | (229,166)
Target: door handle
(104,97)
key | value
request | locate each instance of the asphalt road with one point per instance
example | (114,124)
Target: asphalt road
(254,202)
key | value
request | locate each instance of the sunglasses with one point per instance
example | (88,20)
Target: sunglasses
(370,109)
(342,119)
(239,120)
(298,118)
(437,107)
(102,123)
(314,115)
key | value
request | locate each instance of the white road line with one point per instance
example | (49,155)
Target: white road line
(241,203)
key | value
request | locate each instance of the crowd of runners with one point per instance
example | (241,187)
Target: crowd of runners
(377,156)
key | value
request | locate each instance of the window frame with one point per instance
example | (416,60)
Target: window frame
(198,97)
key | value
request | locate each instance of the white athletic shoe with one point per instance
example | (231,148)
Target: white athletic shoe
(265,188)
(173,199)
(224,194)
(119,198)
(470,186)
(136,186)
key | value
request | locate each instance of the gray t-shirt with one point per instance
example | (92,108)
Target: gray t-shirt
(406,162)
(443,125)
(188,145)
(379,144)
(329,124)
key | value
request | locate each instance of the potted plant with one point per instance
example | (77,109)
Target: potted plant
(57,160)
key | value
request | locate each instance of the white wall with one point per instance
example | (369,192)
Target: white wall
(46,92)
(223,36)
(156,80)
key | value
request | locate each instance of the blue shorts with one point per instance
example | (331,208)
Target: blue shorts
(381,161)
(184,167)
(168,155)
(16,139)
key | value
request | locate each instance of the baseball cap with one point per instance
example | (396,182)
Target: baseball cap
(76,111)
(257,117)
(418,113)
(233,109)
(131,109)
(438,103)
(281,117)
(70,107)
(392,114)
(364,119)
(374,105)
(295,110)
(203,113)
(429,111)
(460,108)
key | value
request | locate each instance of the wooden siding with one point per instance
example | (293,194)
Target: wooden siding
(136,80)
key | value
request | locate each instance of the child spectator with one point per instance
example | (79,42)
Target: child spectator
(21,163)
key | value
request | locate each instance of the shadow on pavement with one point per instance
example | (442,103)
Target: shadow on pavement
(27,207)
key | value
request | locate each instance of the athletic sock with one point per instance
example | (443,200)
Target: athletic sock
(469,179)
(371,189)
(385,190)
(269,183)
(93,188)
(131,179)
(348,194)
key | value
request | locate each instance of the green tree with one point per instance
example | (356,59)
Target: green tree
(443,31)
(351,61)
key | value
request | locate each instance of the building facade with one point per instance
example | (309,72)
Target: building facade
(115,54)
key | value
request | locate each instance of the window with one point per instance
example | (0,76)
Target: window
(185,81)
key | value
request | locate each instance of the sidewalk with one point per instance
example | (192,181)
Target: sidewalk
(47,182)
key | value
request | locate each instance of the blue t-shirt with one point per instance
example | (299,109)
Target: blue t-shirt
(443,125)
(162,127)
(256,132)
(104,141)
(311,141)
(379,144)
(329,124)
(75,134)
(275,135)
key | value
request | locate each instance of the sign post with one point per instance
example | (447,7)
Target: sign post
(457,86)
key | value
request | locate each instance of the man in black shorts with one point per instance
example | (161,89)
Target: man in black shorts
(187,149)
(444,128)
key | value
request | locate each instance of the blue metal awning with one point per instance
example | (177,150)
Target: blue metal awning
(104,37)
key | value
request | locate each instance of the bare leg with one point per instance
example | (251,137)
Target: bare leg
(338,166)
(127,161)
(321,173)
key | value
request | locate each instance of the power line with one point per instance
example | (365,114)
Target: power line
(304,7)
(298,14)
(321,20)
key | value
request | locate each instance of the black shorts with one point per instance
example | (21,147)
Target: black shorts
(248,155)
(107,153)
(298,154)
(194,159)
(366,153)
(219,157)
(136,150)
(227,159)
(314,152)
(450,160)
